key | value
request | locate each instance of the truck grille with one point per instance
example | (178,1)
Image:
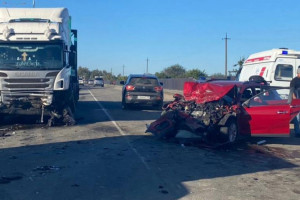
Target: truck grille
(36,80)
(29,86)
(27,83)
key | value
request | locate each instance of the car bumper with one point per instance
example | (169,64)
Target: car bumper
(143,99)
(100,84)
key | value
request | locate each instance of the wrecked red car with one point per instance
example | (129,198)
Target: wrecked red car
(225,110)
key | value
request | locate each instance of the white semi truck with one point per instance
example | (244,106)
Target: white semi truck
(38,63)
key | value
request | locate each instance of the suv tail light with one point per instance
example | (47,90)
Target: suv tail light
(158,88)
(130,87)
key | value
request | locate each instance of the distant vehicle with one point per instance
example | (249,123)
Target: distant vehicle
(142,89)
(276,66)
(81,82)
(202,79)
(99,81)
(91,82)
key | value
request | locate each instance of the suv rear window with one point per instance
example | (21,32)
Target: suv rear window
(99,79)
(143,81)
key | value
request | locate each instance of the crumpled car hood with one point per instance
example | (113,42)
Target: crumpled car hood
(205,92)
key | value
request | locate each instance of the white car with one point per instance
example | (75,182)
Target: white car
(99,81)
(81,82)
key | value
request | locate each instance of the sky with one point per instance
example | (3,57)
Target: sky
(117,33)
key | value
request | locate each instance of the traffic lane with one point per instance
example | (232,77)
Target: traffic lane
(190,167)
(87,161)
(104,168)
(133,120)
(175,171)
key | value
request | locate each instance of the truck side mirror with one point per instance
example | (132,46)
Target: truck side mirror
(122,83)
(161,83)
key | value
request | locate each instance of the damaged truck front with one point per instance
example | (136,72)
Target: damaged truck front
(38,63)
(220,111)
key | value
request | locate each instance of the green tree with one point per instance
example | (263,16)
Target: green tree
(195,73)
(217,76)
(161,75)
(174,71)
(96,72)
(240,62)
(240,65)
(84,72)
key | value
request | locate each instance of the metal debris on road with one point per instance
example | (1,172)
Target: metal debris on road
(47,168)
(261,142)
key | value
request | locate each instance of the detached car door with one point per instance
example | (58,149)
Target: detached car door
(268,114)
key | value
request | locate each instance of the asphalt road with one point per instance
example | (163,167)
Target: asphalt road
(107,155)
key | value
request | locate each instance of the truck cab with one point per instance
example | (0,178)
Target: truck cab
(38,62)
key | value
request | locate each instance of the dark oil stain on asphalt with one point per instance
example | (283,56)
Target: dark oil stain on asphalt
(8,179)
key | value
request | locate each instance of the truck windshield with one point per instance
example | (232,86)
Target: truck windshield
(38,56)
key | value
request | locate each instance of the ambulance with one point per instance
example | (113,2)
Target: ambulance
(276,66)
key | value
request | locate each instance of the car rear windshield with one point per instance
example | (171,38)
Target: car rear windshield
(143,81)
(99,79)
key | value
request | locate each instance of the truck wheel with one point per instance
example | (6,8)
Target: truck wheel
(232,132)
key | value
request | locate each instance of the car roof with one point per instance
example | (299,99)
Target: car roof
(142,75)
(230,82)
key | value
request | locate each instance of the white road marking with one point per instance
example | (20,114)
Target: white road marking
(120,131)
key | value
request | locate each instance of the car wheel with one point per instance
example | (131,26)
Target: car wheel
(159,106)
(124,105)
(232,133)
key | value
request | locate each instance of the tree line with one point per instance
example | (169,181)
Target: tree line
(173,71)
(85,73)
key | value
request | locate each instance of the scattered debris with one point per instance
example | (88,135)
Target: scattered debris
(164,191)
(46,168)
(75,185)
(261,142)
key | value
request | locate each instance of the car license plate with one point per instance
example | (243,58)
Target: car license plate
(143,97)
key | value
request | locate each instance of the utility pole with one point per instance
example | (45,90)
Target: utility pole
(226,38)
(123,70)
(33,3)
(147,66)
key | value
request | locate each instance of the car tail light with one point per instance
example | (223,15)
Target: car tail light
(130,87)
(158,88)
(128,97)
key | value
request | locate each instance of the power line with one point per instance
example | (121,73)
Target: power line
(226,38)
(147,66)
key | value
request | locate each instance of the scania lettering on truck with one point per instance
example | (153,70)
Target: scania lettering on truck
(38,63)
(276,66)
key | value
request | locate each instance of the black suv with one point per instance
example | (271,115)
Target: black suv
(142,89)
